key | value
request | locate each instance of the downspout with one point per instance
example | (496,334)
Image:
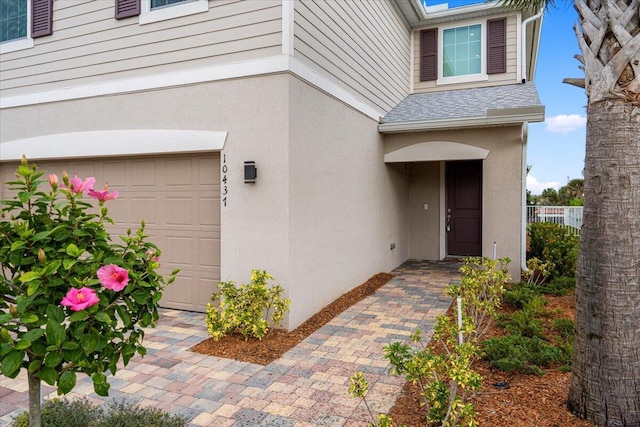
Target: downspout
(524,42)
(523,240)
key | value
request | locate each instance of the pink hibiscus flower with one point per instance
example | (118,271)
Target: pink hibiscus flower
(77,185)
(113,277)
(103,196)
(79,299)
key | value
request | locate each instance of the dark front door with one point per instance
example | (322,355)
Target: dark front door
(464,207)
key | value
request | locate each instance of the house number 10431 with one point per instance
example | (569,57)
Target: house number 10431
(224,180)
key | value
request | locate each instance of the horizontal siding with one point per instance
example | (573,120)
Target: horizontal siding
(510,77)
(364,46)
(88,45)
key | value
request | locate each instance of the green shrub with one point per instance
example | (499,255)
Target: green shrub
(552,243)
(246,309)
(565,327)
(82,413)
(520,294)
(523,354)
(559,286)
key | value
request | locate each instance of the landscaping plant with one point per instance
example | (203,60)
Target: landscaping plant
(554,245)
(250,309)
(82,413)
(444,375)
(73,300)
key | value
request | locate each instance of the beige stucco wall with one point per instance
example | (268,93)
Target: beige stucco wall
(325,208)
(502,191)
(424,224)
(346,206)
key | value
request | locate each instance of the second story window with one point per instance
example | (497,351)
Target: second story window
(163,3)
(161,10)
(462,51)
(457,54)
(21,21)
(14,19)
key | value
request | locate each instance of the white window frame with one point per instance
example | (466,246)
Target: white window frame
(147,15)
(482,75)
(20,44)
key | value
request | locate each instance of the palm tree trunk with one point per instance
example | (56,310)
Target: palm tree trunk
(605,380)
(35,410)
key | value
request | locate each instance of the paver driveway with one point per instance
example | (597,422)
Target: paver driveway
(306,387)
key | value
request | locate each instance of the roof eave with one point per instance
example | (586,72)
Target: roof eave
(492,119)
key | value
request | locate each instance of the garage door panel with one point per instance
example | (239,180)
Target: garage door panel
(178,197)
(209,252)
(179,210)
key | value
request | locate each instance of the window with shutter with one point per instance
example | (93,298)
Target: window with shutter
(127,8)
(41,18)
(496,46)
(428,54)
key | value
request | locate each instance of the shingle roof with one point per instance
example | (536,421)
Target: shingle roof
(463,103)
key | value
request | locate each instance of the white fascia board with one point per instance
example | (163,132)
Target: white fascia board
(273,64)
(288,24)
(470,122)
(113,143)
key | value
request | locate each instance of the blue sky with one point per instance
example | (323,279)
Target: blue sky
(556,147)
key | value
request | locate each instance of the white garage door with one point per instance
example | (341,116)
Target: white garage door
(178,196)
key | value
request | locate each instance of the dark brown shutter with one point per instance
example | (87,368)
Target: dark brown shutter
(41,18)
(496,46)
(127,8)
(428,54)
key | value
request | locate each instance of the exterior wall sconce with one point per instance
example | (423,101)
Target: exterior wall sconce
(250,172)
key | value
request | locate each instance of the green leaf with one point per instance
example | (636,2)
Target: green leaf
(72,250)
(5,317)
(67,263)
(51,268)
(29,318)
(70,345)
(48,375)
(34,366)
(103,317)
(39,349)
(89,343)
(124,315)
(140,296)
(33,287)
(23,344)
(33,334)
(29,276)
(55,313)
(99,378)
(11,363)
(41,235)
(56,333)
(18,244)
(53,359)
(78,316)
(67,382)
(101,389)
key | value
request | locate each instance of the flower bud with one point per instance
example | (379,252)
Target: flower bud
(65,178)
(13,310)
(23,160)
(41,256)
(53,180)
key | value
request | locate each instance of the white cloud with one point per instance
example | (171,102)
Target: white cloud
(536,187)
(565,123)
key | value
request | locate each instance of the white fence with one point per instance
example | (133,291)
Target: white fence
(568,216)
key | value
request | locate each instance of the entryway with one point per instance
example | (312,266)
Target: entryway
(463,181)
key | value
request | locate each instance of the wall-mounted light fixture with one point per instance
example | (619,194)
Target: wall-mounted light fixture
(250,172)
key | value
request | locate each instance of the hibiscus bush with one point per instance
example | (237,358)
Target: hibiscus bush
(74,301)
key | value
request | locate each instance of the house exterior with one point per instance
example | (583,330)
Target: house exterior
(379,130)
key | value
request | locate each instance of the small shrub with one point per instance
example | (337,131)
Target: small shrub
(520,295)
(82,413)
(559,286)
(524,322)
(523,354)
(248,309)
(553,244)
(565,327)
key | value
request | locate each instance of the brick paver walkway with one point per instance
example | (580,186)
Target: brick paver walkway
(306,387)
